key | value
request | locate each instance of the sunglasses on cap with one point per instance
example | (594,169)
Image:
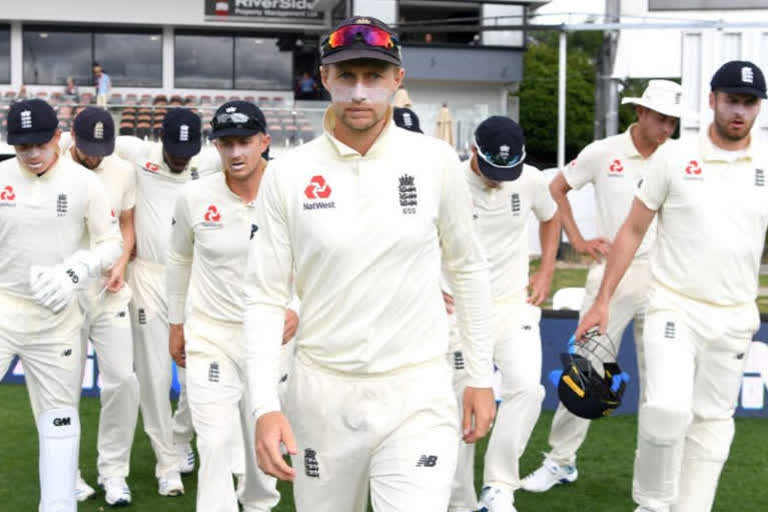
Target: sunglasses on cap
(501,159)
(369,34)
(236,120)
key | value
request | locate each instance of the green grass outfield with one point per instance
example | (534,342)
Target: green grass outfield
(605,465)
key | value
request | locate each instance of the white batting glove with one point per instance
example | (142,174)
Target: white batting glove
(54,287)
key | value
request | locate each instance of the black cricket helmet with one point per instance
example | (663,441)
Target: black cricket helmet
(585,390)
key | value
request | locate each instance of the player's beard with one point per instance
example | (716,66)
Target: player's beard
(87,162)
(723,129)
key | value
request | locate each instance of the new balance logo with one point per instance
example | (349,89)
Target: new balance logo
(67,352)
(213,372)
(254,229)
(311,467)
(62,422)
(458,360)
(427,461)
(515,200)
(669,330)
(121,314)
(142,317)
(73,276)
(759,178)
(61,205)
(194,174)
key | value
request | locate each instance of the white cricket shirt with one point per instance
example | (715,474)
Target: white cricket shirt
(366,235)
(43,220)
(713,212)
(209,239)
(615,168)
(156,191)
(119,181)
(501,219)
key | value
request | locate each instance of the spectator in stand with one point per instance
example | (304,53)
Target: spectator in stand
(307,89)
(71,90)
(103,85)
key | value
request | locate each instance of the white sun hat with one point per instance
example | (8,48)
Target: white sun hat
(663,96)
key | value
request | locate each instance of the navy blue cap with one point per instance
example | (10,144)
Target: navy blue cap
(94,132)
(406,118)
(31,122)
(238,119)
(500,147)
(181,133)
(739,77)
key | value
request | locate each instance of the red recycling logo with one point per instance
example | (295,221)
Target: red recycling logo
(693,168)
(7,194)
(616,166)
(317,188)
(212,215)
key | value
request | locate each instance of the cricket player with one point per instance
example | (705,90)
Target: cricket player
(614,166)
(48,204)
(365,213)
(701,312)
(161,168)
(504,192)
(105,304)
(208,252)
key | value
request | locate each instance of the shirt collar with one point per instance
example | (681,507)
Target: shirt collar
(628,145)
(344,151)
(712,153)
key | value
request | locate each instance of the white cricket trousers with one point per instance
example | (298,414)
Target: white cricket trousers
(695,355)
(629,301)
(49,349)
(152,360)
(108,328)
(517,355)
(393,434)
(219,403)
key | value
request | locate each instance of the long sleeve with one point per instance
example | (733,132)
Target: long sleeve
(103,230)
(267,291)
(466,269)
(179,264)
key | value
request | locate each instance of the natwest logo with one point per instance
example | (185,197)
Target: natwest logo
(212,215)
(616,166)
(7,194)
(693,168)
(151,167)
(318,189)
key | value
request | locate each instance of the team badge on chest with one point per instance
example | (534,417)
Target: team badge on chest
(61,205)
(515,200)
(759,178)
(408,195)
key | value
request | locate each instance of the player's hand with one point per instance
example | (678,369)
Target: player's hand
(596,317)
(450,305)
(597,248)
(116,278)
(52,287)
(176,344)
(540,284)
(272,431)
(290,325)
(479,412)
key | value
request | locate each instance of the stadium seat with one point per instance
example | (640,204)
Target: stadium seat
(116,99)
(205,100)
(127,129)
(143,130)
(252,99)
(568,298)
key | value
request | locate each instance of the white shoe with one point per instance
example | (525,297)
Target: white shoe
(170,484)
(186,456)
(549,475)
(650,509)
(116,492)
(83,491)
(494,499)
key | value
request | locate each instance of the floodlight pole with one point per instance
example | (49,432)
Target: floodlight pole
(561,70)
